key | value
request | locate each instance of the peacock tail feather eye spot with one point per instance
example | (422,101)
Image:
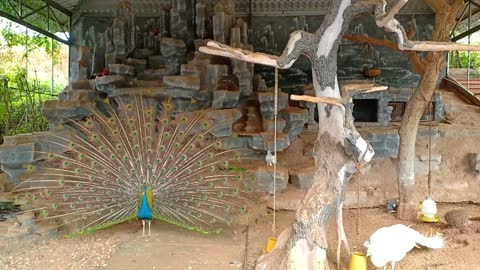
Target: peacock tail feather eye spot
(138,161)
(81,198)
(177,145)
(61,182)
(129,107)
(35,198)
(126,158)
(165,121)
(131,122)
(212,206)
(79,185)
(227,208)
(51,157)
(112,121)
(89,206)
(218,144)
(92,189)
(115,132)
(105,171)
(239,177)
(213,220)
(199,178)
(210,185)
(225,163)
(171,157)
(119,147)
(229,221)
(94,137)
(136,147)
(132,171)
(149,166)
(109,192)
(166,135)
(102,148)
(98,199)
(49,192)
(66,163)
(224,179)
(184,157)
(148,126)
(175,168)
(185,204)
(161,148)
(249,189)
(197,204)
(149,139)
(211,168)
(73,205)
(105,183)
(220,194)
(73,145)
(244,209)
(78,171)
(184,120)
(94,163)
(191,199)
(135,134)
(206,124)
(199,163)
(163,170)
(191,147)
(204,197)
(235,191)
(66,196)
(45,212)
(200,137)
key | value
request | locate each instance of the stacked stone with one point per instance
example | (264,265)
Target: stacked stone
(18,151)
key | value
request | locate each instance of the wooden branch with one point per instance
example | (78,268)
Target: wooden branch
(325,100)
(364,88)
(219,49)
(297,44)
(349,90)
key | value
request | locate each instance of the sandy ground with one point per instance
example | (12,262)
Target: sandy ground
(169,247)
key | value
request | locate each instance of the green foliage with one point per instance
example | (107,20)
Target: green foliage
(13,35)
(460,60)
(20,103)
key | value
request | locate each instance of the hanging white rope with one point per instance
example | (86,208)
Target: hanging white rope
(275,109)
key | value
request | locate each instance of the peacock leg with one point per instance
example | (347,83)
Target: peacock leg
(149,222)
(341,236)
(143,227)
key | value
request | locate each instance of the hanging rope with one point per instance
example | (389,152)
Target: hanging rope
(429,181)
(275,109)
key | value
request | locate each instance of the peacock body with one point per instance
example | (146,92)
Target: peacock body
(138,149)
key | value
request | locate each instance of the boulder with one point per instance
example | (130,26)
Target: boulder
(264,179)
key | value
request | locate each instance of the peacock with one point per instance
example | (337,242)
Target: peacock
(138,158)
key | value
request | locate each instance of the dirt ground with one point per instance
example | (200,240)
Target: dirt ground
(169,247)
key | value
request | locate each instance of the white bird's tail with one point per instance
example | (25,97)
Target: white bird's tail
(435,242)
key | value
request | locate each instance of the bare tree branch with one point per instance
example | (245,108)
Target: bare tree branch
(300,42)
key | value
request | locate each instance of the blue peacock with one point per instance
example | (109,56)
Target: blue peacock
(138,158)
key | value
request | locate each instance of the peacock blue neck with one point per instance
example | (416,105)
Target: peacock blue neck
(145,209)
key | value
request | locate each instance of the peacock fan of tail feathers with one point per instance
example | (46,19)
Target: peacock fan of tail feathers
(134,146)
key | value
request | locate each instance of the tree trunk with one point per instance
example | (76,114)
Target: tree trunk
(434,63)
(408,133)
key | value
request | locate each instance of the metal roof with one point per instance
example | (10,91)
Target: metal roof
(260,7)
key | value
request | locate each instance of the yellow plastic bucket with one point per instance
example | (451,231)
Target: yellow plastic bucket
(270,244)
(357,262)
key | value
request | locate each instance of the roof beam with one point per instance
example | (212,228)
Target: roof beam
(33,27)
(58,7)
(466,33)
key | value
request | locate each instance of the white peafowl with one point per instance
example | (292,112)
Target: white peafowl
(138,160)
(391,244)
